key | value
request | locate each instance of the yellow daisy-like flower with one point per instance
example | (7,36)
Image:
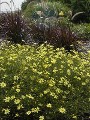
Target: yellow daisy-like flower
(17,101)
(51,83)
(7,99)
(3,84)
(16,115)
(68,72)
(29,96)
(20,106)
(12,97)
(18,90)
(23,96)
(74,117)
(62,110)
(6,111)
(83,83)
(28,112)
(61,13)
(35,110)
(53,61)
(41,118)
(49,105)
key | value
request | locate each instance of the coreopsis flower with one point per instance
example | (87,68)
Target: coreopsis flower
(28,112)
(18,90)
(62,110)
(3,84)
(7,99)
(41,118)
(49,105)
(6,111)
(17,101)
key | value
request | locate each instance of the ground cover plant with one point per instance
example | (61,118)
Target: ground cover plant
(41,83)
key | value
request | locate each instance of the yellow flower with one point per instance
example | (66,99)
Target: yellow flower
(16,115)
(12,97)
(75,117)
(53,61)
(46,91)
(62,66)
(62,110)
(83,83)
(7,99)
(17,101)
(88,51)
(49,105)
(61,13)
(35,110)
(30,96)
(3,84)
(41,118)
(51,83)
(18,90)
(68,72)
(28,112)
(6,111)
(16,77)
(23,97)
(70,62)
(19,106)
(41,81)
(55,70)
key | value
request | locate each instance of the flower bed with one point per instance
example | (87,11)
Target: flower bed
(43,83)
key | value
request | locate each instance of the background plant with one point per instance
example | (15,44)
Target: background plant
(14,27)
(48,9)
(58,36)
(82,30)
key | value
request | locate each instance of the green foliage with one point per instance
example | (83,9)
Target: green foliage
(43,83)
(81,5)
(78,5)
(82,30)
(47,9)
(25,4)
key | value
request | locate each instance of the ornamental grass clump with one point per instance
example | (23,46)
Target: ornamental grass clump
(58,36)
(43,83)
(14,27)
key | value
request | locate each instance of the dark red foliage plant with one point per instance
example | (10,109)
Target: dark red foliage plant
(58,36)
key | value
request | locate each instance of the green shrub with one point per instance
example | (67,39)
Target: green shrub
(82,30)
(25,4)
(81,5)
(48,9)
(43,83)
